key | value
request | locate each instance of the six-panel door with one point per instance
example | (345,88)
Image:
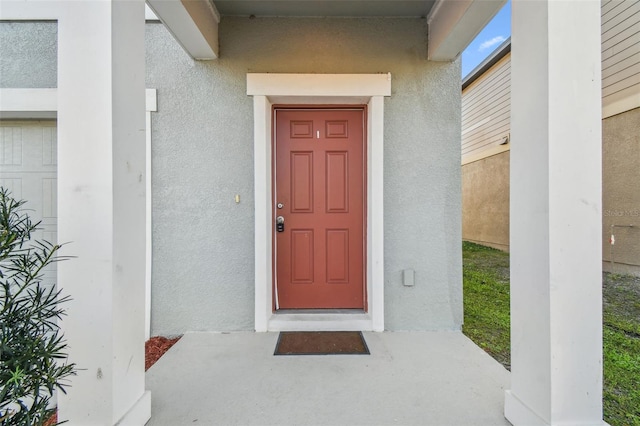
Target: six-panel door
(319,192)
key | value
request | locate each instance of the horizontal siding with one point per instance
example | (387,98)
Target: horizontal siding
(495,135)
(477,112)
(627,83)
(618,17)
(615,41)
(620,49)
(476,134)
(607,5)
(623,53)
(622,74)
(487,82)
(493,94)
(486,103)
(486,109)
(622,34)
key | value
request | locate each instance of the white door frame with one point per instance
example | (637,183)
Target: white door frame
(318,89)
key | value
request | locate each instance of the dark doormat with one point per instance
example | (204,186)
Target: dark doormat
(321,343)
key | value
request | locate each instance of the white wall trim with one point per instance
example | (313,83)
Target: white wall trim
(318,89)
(324,85)
(485,153)
(20,10)
(620,102)
(263,214)
(151,105)
(28,103)
(21,104)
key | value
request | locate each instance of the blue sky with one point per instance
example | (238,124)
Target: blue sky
(492,36)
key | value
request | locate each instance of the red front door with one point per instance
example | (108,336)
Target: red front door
(319,194)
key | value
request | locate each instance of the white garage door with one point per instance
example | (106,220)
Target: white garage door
(28,166)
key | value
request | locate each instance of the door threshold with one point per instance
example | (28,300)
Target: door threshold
(320,320)
(319,311)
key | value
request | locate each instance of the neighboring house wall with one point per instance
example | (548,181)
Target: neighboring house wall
(621,192)
(202,156)
(621,135)
(485,201)
(203,247)
(485,205)
(486,114)
(620,56)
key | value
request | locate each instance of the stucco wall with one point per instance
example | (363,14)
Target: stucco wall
(28,54)
(485,201)
(203,156)
(621,191)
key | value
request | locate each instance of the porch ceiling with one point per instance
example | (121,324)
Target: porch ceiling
(452,23)
(316,8)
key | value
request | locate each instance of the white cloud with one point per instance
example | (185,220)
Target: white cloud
(492,42)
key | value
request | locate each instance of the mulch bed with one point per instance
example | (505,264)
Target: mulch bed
(154,348)
(53,420)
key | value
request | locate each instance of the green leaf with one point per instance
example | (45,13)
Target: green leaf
(33,359)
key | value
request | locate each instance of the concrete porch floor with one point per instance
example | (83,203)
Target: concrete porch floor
(410,378)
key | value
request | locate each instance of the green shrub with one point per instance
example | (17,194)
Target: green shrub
(32,349)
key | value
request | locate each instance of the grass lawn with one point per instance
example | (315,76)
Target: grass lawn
(486,322)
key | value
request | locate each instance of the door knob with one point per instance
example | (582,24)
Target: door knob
(280,224)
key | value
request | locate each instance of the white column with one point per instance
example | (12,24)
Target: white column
(556,297)
(101,187)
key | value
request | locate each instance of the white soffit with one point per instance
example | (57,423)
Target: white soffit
(193,23)
(453,24)
(324,8)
